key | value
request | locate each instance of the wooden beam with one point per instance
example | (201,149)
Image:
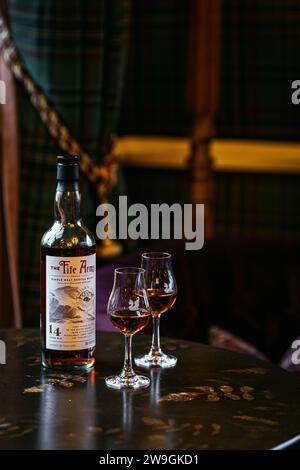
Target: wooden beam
(228,155)
(203,95)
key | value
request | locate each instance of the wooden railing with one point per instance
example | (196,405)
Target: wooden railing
(227,155)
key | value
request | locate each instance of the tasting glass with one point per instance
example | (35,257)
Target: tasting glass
(129,311)
(162,291)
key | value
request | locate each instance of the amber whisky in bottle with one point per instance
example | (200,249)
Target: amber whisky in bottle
(68,279)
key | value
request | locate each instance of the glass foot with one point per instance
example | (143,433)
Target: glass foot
(159,359)
(134,382)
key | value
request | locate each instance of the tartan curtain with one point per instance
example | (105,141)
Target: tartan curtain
(76,53)
(155,88)
(260,60)
(258,206)
(260,40)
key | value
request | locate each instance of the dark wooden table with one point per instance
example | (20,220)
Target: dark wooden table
(213,399)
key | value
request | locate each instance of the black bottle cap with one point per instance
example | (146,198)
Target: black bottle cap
(67,168)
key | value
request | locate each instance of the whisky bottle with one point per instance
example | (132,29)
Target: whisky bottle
(68,279)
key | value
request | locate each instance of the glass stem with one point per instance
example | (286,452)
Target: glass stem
(155,347)
(127,368)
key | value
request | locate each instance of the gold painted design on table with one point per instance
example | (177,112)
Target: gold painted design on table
(95,429)
(38,388)
(56,379)
(152,421)
(248,370)
(181,396)
(216,429)
(21,340)
(197,429)
(212,394)
(255,419)
(11,430)
(268,394)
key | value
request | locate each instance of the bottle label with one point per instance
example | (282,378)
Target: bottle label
(70,302)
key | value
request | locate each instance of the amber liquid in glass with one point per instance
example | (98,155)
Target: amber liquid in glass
(160,301)
(129,322)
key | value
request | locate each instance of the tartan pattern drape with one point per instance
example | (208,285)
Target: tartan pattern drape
(258,206)
(76,52)
(260,60)
(155,88)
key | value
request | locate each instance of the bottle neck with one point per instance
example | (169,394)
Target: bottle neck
(67,202)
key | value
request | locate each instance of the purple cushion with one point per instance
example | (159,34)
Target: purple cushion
(290,359)
(221,338)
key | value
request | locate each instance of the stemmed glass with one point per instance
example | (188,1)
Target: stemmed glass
(129,311)
(162,293)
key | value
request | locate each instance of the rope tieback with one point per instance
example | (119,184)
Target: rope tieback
(102,177)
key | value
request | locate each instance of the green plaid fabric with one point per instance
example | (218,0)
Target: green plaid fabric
(258,206)
(260,60)
(260,40)
(260,43)
(76,53)
(155,89)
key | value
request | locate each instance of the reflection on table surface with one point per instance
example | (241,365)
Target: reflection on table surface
(212,399)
